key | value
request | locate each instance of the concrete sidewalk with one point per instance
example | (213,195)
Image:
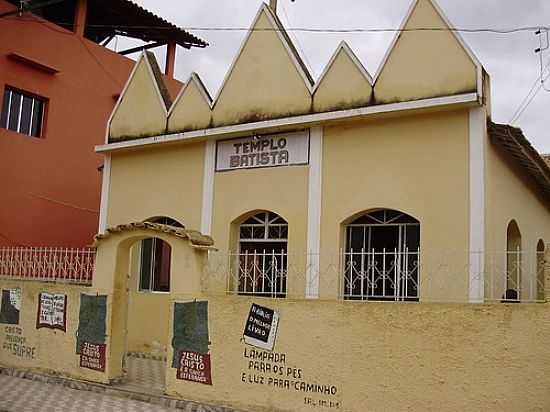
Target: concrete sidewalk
(24,395)
(18,394)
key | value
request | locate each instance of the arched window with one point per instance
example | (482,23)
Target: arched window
(262,257)
(381,257)
(513,263)
(540,270)
(155,257)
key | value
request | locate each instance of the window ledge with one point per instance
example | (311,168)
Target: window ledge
(33,63)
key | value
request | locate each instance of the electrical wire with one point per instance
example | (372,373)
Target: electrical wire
(510,30)
(533,87)
(538,89)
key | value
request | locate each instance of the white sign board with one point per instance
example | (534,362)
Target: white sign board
(282,149)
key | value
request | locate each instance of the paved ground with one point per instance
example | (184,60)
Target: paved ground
(24,395)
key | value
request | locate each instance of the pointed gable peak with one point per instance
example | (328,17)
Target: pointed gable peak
(415,18)
(265,15)
(144,97)
(269,71)
(194,80)
(342,51)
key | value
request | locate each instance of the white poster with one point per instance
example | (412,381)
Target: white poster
(281,149)
(52,311)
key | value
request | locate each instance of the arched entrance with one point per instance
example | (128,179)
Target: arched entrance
(142,328)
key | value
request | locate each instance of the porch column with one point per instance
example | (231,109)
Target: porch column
(80,12)
(478,131)
(314,212)
(170,59)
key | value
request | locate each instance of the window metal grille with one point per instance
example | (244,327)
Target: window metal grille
(260,266)
(381,259)
(22,113)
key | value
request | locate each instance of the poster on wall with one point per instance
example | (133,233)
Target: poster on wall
(194,367)
(191,341)
(281,149)
(10,306)
(92,355)
(91,320)
(260,329)
(52,311)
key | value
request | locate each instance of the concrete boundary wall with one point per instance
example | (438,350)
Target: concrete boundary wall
(358,356)
(45,350)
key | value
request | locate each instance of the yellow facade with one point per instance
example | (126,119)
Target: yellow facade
(415,68)
(414,164)
(416,141)
(512,196)
(265,68)
(172,176)
(141,100)
(191,110)
(346,83)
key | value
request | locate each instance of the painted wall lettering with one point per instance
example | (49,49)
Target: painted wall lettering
(15,343)
(92,356)
(263,151)
(273,370)
(52,311)
(194,367)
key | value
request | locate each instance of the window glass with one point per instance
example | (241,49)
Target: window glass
(262,259)
(37,116)
(381,259)
(15,105)
(5,108)
(155,266)
(22,113)
(26,113)
(146,264)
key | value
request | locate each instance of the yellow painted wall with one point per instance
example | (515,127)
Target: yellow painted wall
(54,350)
(343,86)
(510,194)
(191,111)
(425,63)
(157,182)
(264,82)
(140,112)
(382,357)
(415,164)
(282,190)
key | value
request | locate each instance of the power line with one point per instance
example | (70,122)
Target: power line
(510,30)
(535,83)
(538,89)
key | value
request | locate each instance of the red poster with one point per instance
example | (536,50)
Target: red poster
(194,367)
(92,356)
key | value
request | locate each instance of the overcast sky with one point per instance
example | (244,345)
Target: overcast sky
(509,59)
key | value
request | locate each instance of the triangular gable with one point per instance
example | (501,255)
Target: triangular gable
(192,108)
(344,84)
(426,63)
(141,108)
(266,80)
